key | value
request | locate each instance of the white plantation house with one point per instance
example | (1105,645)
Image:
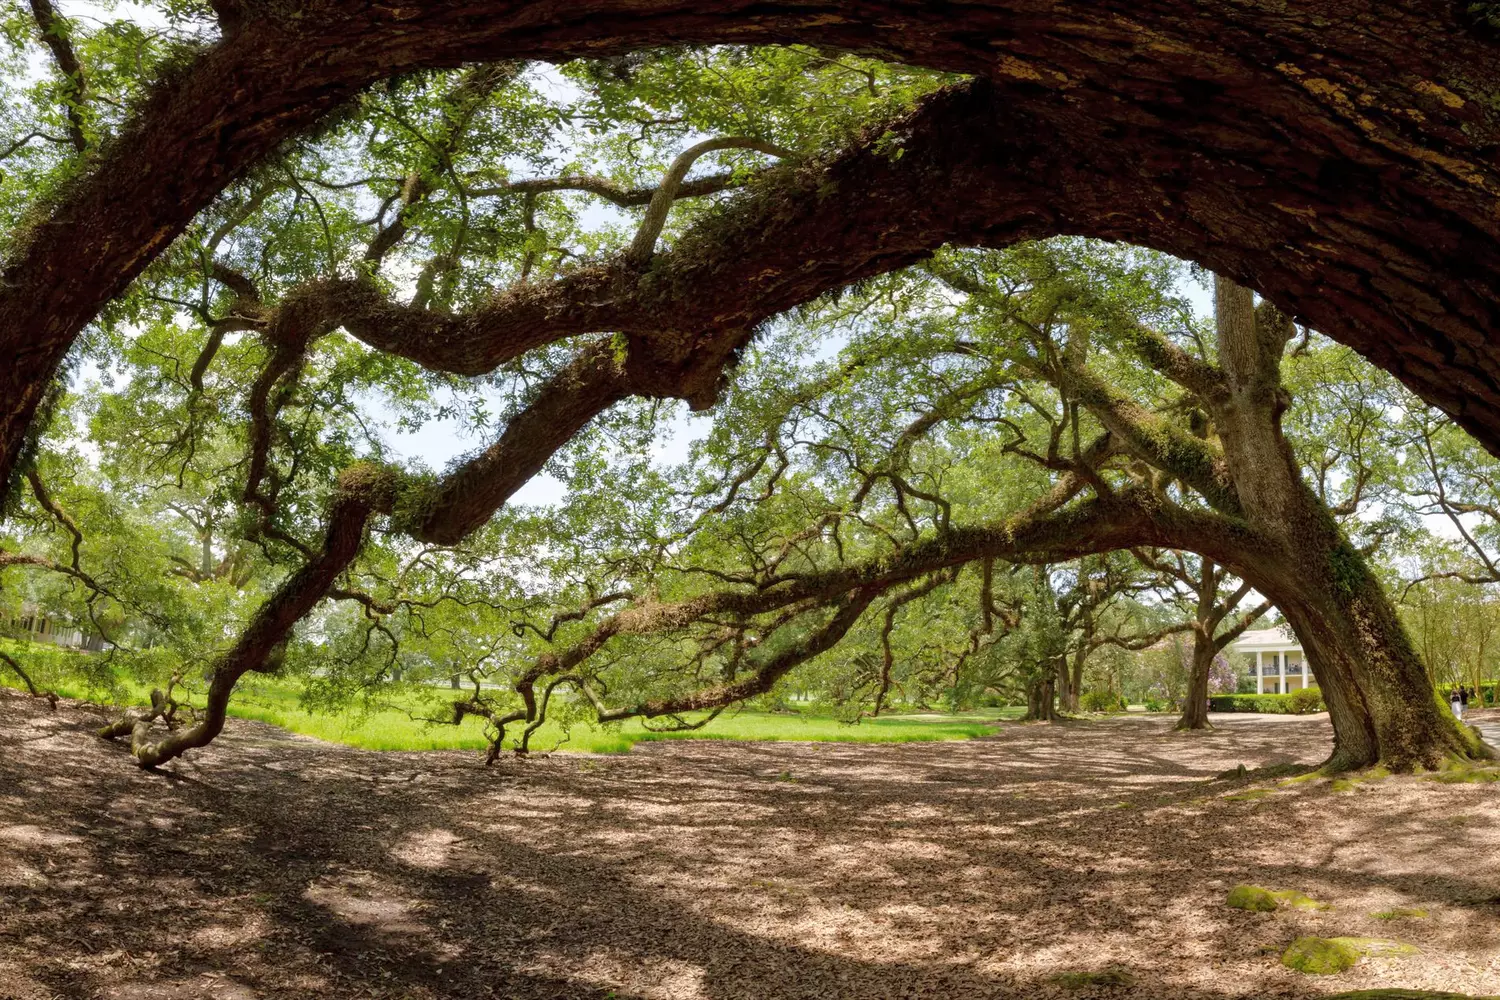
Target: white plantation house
(36,626)
(1274,658)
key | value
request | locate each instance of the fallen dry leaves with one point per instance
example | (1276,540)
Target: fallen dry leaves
(276,866)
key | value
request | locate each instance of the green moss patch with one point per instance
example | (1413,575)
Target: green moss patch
(1080,980)
(1269,771)
(1258,900)
(1252,898)
(1463,773)
(1293,900)
(1248,796)
(1400,913)
(1330,956)
(1345,781)
(1320,956)
(1301,779)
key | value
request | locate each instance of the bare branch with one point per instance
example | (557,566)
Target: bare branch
(624,197)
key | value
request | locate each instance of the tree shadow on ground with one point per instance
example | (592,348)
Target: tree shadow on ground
(281,867)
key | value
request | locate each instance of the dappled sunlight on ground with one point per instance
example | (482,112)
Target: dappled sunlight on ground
(268,866)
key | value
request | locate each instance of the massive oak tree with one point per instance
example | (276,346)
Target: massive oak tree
(1243,140)
(1336,156)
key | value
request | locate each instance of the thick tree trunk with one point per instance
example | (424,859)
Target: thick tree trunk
(1040,700)
(1071,681)
(1195,708)
(1380,699)
(1378,694)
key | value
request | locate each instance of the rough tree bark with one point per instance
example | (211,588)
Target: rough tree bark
(1379,697)
(1335,154)
(1041,698)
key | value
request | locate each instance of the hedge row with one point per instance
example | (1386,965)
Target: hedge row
(1304,702)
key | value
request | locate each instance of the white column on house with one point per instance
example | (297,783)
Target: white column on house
(1281,657)
(1259,684)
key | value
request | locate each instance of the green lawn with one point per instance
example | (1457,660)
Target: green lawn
(278,702)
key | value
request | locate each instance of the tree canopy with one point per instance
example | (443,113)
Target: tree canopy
(1341,171)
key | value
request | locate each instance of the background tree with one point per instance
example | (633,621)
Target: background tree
(834,494)
(1214,605)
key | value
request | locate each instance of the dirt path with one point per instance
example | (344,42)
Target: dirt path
(273,866)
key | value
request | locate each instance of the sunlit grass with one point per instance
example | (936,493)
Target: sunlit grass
(403,724)
(393,729)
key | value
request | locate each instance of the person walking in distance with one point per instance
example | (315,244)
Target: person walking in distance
(1456,702)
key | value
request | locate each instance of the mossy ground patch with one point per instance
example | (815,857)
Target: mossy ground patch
(1400,913)
(1329,956)
(1258,900)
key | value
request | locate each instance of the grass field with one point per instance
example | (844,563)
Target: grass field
(400,726)
(279,703)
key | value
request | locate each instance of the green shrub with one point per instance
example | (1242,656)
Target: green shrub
(1155,705)
(1102,701)
(1304,702)
(68,672)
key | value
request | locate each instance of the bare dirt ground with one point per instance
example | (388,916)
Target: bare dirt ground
(277,866)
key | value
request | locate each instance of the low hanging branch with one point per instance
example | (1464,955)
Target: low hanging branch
(363,491)
(844,592)
(456,505)
(846,609)
(31,687)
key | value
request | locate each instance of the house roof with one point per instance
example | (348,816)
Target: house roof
(1265,638)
